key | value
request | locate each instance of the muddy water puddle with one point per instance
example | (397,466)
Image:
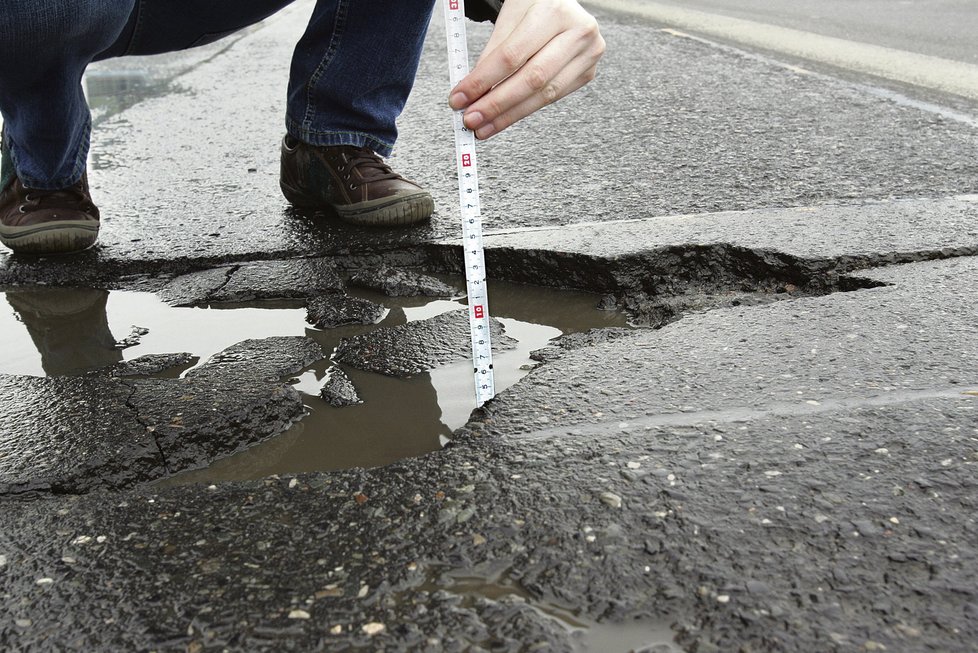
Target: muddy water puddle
(586,635)
(62,331)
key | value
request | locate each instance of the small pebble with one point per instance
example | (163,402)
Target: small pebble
(299,614)
(723,598)
(336,630)
(373,628)
(82,539)
(364,590)
(3,561)
(293,483)
(44,581)
(633,465)
(610,499)
(23,623)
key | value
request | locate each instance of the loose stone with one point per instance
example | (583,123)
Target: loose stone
(373,628)
(611,499)
(299,614)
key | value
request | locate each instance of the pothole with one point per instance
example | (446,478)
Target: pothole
(72,331)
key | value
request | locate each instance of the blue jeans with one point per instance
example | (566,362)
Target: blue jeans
(351,72)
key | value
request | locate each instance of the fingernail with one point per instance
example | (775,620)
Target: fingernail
(474,120)
(486,131)
(458,101)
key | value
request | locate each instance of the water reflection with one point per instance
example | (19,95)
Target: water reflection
(68,326)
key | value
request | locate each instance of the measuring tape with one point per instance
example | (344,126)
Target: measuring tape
(468,195)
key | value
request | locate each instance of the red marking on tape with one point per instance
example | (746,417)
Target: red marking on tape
(453,5)
(480,312)
(466,160)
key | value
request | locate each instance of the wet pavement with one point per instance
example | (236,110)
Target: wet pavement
(777,454)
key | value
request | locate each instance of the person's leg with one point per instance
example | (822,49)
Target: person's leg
(353,70)
(158,26)
(46,46)
(351,75)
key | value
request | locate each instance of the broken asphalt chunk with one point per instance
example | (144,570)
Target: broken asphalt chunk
(417,347)
(147,365)
(266,359)
(398,282)
(289,279)
(338,309)
(338,390)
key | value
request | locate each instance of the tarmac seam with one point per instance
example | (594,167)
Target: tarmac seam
(746,414)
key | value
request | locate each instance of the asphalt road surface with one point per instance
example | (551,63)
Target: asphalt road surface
(779,458)
(927,45)
(939,28)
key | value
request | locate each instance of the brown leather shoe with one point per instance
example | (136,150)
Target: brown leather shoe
(47,221)
(354,182)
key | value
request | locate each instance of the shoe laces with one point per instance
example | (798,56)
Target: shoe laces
(72,197)
(368,164)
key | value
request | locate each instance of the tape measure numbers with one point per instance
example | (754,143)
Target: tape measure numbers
(468,193)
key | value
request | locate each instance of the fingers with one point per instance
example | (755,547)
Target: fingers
(542,51)
(501,60)
(506,23)
(557,89)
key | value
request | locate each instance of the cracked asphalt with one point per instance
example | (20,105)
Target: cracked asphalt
(780,457)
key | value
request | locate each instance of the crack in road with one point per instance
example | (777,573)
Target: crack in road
(149,428)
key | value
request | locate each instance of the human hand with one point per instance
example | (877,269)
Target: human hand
(539,51)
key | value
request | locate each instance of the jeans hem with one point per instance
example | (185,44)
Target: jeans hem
(77,170)
(339,137)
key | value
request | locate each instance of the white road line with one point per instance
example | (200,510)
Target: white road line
(945,75)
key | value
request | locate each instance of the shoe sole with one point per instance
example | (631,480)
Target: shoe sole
(64,237)
(384,212)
